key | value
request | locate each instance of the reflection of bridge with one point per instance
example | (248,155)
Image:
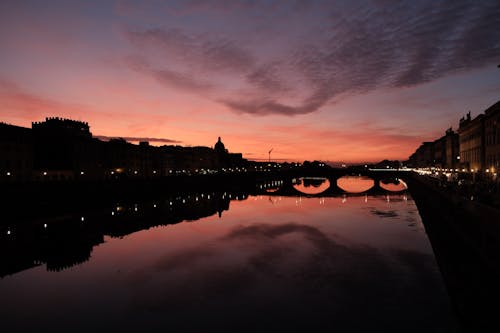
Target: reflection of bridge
(282,184)
(63,242)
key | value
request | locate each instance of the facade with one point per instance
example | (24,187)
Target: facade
(471,141)
(492,137)
(439,150)
(452,149)
(441,153)
(120,159)
(64,150)
(476,146)
(16,153)
(192,158)
(423,156)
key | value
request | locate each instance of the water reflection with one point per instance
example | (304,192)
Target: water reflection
(265,272)
(355,184)
(68,240)
(393,185)
(270,186)
(63,242)
(249,263)
(311,185)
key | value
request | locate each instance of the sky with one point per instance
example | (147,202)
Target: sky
(343,81)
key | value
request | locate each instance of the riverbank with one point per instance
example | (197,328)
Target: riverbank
(29,200)
(465,236)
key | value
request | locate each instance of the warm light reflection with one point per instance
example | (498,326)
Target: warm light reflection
(311,185)
(355,184)
(395,185)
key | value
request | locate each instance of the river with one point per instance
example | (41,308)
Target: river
(227,262)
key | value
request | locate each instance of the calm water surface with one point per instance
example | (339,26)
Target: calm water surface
(268,263)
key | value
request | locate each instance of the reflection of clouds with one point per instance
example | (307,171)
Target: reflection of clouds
(291,270)
(192,256)
(260,231)
(384,213)
(399,215)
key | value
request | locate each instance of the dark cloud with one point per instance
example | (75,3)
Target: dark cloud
(224,54)
(198,51)
(401,45)
(178,80)
(268,107)
(341,50)
(132,138)
(267,77)
(385,213)
(169,78)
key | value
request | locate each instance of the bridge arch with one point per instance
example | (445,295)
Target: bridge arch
(311,185)
(355,184)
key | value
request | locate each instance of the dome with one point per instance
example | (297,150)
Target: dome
(219,146)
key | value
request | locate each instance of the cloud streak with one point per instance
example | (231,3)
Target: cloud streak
(135,139)
(341,50)
(211,53)
(168,77)
(17,102)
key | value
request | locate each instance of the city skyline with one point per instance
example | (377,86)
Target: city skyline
(339,82)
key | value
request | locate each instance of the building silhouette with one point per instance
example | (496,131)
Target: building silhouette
(492,136)
(60,149)
(474,147)
(64,150)
(219,147)
(16,153)
(423,156)
(452,149)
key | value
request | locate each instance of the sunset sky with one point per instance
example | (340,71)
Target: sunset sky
(346,81)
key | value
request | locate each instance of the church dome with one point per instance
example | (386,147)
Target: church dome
(219,146)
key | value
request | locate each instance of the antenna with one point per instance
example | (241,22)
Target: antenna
(270,154)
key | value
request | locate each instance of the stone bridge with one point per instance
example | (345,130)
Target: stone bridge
(289,183)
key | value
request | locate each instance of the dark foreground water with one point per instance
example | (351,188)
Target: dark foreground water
(267,264)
